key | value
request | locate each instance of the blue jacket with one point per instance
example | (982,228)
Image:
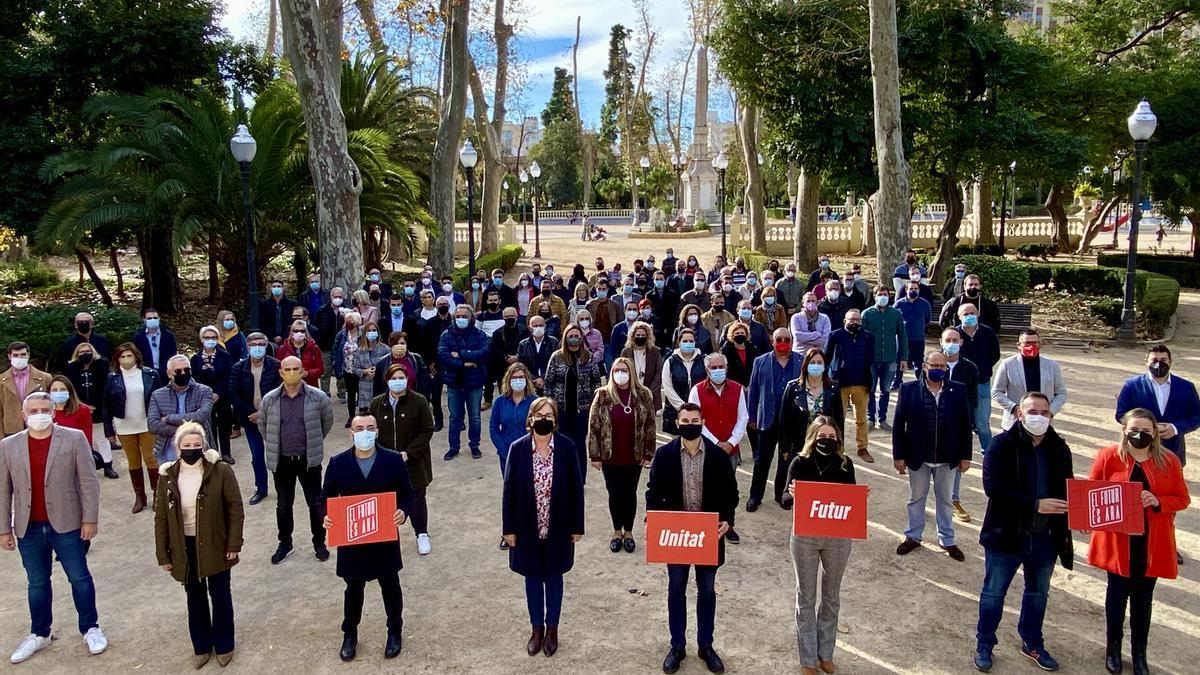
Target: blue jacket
(616,341)
(344,478)
(1183,407)
(910,438)
(850,358)
(471,344)
(166,349)
(519,509)
(508,423)
(236,346)
(114,396)
(241,385)
(765,393)
(917,315)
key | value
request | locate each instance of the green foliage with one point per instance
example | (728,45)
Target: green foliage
(1043,251)
(561,106)
(504,259)
(45,328)
(560,154)
(27,275)
(1108,310)
(1157,298)
(701,225)
(1002,278)
(979,249)
(754,259)
(1182,269)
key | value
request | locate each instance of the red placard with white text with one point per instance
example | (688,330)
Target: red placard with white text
(362,519)
(835,510)
(682,537)
(1105,506)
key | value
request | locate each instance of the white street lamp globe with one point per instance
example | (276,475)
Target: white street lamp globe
(644,162)
(760,159)
(535,170)
(242,145)
(1142,122)
(468,156)
(674,159)
(721,162)
(524,177)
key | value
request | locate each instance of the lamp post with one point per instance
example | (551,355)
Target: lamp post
(505,186)
(243,147)
(677,163)
(1012,172)
(1117,218)
(644,203)
(1141,127)
(720,163)
(524,178)
(535,172)
(468,156)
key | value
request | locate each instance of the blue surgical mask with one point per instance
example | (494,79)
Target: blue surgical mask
(602,294)
(499,281)
(209,343)
(372,335)
(717,375)
(60,397)
(461,322)
(229,324)
(687,347)
(660,284)
(397,385)
(409,290)
(959,275)
(397,311)
(816,369)
(745,314)
(881,300)
(474,285)
(628,289)
(825,264)
(365,439)
(971,320)
(374,277)
(517,384)
(152,323)
(768,300)
(314,285)
(257,352)
(950,348)
(276,291)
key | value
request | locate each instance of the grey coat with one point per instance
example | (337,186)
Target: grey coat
(72,492)
(163,419)
(1008,386)
(364,359)
(318,420)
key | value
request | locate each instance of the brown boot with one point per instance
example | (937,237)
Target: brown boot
(551,645)
(139,490)
(535,641)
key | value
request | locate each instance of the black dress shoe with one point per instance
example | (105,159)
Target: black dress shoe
(752,504)
(349,648)
(109,471)
(450,454)
(258,497)
(437,427)
(228,459)
(394,644)
(1140,665)
(630,545)
(535,641)
(710,658)
(1112,657)
(321,552)
(675,656)
(615,544)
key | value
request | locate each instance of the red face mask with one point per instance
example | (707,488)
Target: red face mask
(782,348)
(1030,349)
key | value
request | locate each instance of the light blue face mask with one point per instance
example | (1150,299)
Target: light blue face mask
(60,397)
(816,369)
(314,285)
(257,352)
(397,311)
(229,324)
(717,375)
(372,335)
(950,348)
(688,347)
(745,314)
(152,323)
(210,344)
(365,439)
(397,385)
(461,322)
(971,320)
(276,291)
(517,384)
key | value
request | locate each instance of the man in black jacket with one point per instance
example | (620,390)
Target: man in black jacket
(967,373)
(692,474)
(989,312)
(326,323)
(1025,474)
(502,350)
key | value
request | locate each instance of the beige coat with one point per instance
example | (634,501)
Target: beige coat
(10,403)
(71,488)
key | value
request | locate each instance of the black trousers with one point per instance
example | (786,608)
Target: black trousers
(1136,591)
(222,419)
(420,512)
(767,440)
(290,470)
(621,481)
(393,604)
(209,630)
(435,399)
(351,381)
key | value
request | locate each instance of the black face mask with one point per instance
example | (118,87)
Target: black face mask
(191,456)
(910,260)
(84,327)
(690,432)
(182,378)
(972,292)
(493,305)
(545,292)
(443,310)
(86,357)
(543,427)
(1160,368)
(774,269)
(854,328)
(739,339)
(544,315)
(510,321)
(374,295)
(640,340)
(1139,439)
(825,446)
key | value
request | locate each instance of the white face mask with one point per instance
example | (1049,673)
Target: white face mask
(585,324)
(19,363)
(537,331)
(337,301)
(39,421)
(1036,425)
(621,377)
(833,295)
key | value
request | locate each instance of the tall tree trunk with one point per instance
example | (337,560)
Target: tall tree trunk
(808,197)
(312,37)
(869,247)
(116,265)
(450,122)
(366,10)
(948,236)
(161,289)
(214,281)
(589,157)
(492,171)
(981,206)
(1058,214)
(1095,220)
(272,27)
(86,263)
(893,224)
(755,210)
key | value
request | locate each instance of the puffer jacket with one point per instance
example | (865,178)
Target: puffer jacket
(219,519)
(318,420)
(471,344)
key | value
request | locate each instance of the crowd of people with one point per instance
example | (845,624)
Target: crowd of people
(580,371)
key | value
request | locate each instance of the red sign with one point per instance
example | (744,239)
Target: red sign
(1105,506)
(682,537)
(362,519)
(833,510)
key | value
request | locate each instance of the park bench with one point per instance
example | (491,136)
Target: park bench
(1014,317)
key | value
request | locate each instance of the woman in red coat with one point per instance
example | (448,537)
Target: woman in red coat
(1135,562)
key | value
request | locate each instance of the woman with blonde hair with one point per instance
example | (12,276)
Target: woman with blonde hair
(367,308)
(1135,562)
(198,536)
(211,366)
(621,440)
(542,510)
(126,402)
(819,562)
(230,336)
(647,359)
(370,350)
(572,376)
(591,336)
(579,301)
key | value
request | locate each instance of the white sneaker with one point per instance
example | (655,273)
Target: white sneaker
(96,642)
(423,547)
(29,646)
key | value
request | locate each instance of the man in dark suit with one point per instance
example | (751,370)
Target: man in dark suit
(1171,398)
(85,331)
(692,474)
(931,438)
(368,468)
(156,343)
(966,373)
(249,380)
(535,350)
(275,313)
(502,350)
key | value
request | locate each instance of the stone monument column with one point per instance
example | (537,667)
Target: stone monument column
(700,178)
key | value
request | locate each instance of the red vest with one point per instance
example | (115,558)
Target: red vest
(720,411)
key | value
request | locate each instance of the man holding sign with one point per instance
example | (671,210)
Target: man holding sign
(1025,474)
(368,470)
(692,474)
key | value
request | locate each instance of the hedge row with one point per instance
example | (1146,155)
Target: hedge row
(1183,269)
(504,259)
(46,328)
(754,260)
(1156,295)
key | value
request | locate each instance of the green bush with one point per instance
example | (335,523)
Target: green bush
(700,225)
(1157,298)
(46,328)
(1183,269)
(26,275)
(754,260)
(504,259)
(1108,310)
(1002,278)
(979,249)
(1083,279)
(1042,251)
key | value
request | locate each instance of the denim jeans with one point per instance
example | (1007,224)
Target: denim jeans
(209,630)
(36,546)
(882,375)
(258,459)
(464,403)
(706,603)
(544,597)
(983,429)
(943,483)
(1037,557)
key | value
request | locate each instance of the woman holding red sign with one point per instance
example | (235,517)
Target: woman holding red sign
(542,512)
(822,460)
(805,398)
(1135,562)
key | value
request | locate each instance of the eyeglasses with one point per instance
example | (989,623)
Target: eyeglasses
(543,416)
(780,340)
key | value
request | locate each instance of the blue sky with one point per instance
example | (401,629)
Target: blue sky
(546,34)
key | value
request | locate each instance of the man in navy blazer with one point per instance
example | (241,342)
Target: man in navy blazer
(769,375)
(156,343)
(931,438)
(1171,398)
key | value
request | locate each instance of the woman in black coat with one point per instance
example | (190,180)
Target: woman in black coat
(88,370)
(358,564)
(739,353)
(804,398)
(543,518)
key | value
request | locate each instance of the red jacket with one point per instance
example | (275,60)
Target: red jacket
(1109,551)
(310,359)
